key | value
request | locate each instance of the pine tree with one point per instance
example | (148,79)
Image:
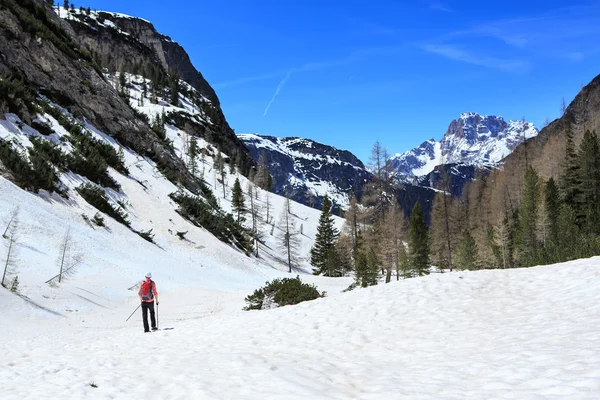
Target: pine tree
(568,234)
(122,81)
(220,169)
(466,252)
(392,232)
(528,213)
(551,193)
(588,196)
(237,200)
(403,268)
(373,264)
(377,191)
(361,268)
(193,155)
(503,233)
(325,240)
(289,236)
(444,230)
(418,241)
(256,217)
(262,177)
(353,216)
(174,88)
(66,4)
(569,180)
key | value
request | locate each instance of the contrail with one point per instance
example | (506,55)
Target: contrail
(279,87)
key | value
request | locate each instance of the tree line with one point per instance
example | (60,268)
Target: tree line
(555,220)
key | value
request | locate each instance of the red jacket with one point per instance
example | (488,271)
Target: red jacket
(149,297)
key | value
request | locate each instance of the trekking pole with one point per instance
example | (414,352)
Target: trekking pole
(157,315)
(133,312)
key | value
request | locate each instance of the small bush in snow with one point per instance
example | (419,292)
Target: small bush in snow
(14,286)
(98,219)
(282,292)
(147,235)
(97,198)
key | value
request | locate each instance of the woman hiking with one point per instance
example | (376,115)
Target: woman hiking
(147,294)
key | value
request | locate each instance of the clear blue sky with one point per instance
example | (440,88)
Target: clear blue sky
(347,73)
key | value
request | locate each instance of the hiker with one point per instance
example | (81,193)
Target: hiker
(147,294)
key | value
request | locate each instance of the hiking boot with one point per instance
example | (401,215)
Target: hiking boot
(154,328)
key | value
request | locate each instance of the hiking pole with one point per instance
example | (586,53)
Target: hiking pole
(157,315)
(133,312)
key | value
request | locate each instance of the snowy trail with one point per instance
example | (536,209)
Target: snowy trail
(527,334)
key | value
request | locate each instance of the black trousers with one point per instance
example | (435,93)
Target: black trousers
(145,307)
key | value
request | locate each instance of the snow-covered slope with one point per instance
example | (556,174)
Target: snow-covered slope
(531,333)
(115,257)
(302,168)
(472,140)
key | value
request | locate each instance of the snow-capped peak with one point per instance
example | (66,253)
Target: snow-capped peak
(472,139)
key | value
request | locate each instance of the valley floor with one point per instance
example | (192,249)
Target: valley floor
(512,334)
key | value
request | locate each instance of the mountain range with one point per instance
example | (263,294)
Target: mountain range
(479,141)
(306,170)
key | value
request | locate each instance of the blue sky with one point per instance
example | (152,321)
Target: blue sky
(347,73)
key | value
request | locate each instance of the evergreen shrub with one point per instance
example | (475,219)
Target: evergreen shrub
(286,291)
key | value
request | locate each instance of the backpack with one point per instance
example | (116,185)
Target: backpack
(147,292)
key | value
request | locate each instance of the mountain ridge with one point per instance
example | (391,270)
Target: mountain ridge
(482,141)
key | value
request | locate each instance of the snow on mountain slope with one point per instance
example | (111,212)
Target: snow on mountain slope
(302,166)
(116,258)
(472,139)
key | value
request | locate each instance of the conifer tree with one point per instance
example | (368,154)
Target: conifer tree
(373,265)
(418,241)
(325,240)
(569,178)
(528,213)
(193,155)
(588,196)
(122,81)
(10,238)
(392,232)
(66,4)
(343,249)
(403,266)
(552,195)
(220,169)
(174,88)
(361,267)
(237,199)
(377,191)
(444,231)
(568,234)
(503,233)
(289,236)
(353,216)
(262,177)
(256,217)
(466,252)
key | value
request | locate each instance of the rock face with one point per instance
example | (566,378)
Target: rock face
(51,63)
(471,140)
(64,55)
(117,39)
(302,167)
